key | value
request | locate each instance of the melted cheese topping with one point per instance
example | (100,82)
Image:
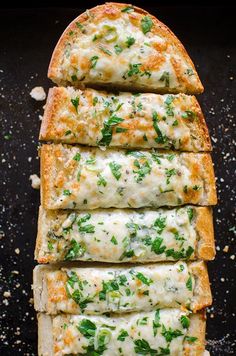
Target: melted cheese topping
(100,290)
(144,120)
(124,49)
(134,334)
(118,235)
(84,178)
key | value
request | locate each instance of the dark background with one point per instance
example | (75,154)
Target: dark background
(27,38)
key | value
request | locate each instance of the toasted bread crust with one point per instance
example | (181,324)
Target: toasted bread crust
(202,290)
(204,226)
(60,117)
(111,10)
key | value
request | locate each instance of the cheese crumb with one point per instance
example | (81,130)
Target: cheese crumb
(7,294)
(35,181)
(226,248)
(17,251)
(38,94)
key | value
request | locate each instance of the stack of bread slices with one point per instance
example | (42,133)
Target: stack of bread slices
(125,223)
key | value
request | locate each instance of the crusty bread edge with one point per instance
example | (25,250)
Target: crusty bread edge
(197,329)
(202,291)
(208,176)
(205,231)
(46,165)
(58,51)
(45,335)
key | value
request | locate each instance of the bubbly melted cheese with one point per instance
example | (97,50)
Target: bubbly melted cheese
(144,120)
(89,178)
(124,49)
(117,235)
(159,332)
(100,290)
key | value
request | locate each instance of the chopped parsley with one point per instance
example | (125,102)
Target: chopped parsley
(128,9)
(115,169)
(118,49)
(130,41)
(157,246)
(188,114)
(170,334)
(101,180)
(142,170)
(160,223)
(142,347)
(121,129)
(190,214)
(185,321)
(169,173)
(197,187)
(74,78)
(189,283)
(75,103)
(143,278)
(95,100)
(80,26)
(146,24)
(75,250)
(160,137)
(66,192)
(90,229)
(87,328)
(105,50)
(107,130)
(122,335)
(68,132)
(165,78)
(156,322)
(77,157)
(190,338)
(114,240)
(93,61)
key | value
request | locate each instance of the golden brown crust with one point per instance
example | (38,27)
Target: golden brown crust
(202,290)
(47,160)
(197,329)
(209,179)
(202,127)
(45,335)
(110,9)
(205,231)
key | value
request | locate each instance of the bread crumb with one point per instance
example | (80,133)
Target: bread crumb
(31,301)
(7,294)
(226,248)
(38,94)
(232,257)
(35,181)
(17,251)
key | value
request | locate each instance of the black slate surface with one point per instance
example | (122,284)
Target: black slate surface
(27,38)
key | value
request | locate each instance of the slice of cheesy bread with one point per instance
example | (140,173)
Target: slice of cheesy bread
(125,235)
(99,289)
(98,118)
(160,332)
(89,178)
(122,46)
